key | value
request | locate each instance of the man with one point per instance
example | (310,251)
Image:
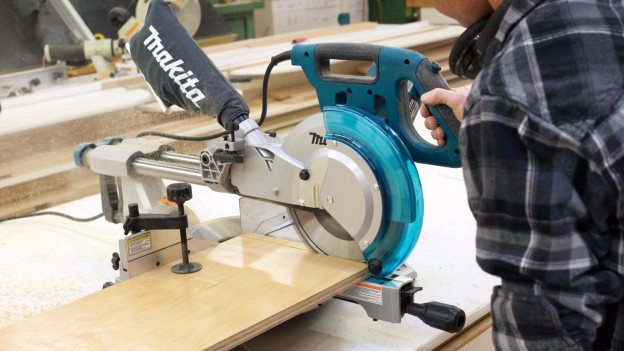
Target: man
(542,143)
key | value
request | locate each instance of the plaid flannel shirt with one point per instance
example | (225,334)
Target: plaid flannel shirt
(543,156)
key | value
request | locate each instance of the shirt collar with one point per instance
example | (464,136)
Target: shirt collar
(518,9)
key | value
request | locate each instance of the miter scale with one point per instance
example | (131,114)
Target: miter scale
(346,176)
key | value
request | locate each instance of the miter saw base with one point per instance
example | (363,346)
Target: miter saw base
(386,299)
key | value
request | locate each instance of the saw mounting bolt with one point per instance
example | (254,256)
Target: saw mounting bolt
(304,174)
(227,151)
(374,266)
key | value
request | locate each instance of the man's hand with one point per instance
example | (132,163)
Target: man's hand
(452,98)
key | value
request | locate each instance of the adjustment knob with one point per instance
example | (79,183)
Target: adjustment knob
(115,261)
(179,192)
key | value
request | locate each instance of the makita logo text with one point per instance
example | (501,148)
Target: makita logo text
(175,70)
(318,139)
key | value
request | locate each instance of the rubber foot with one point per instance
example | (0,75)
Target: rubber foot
(182,268)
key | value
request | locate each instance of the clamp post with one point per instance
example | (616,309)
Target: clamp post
(180,193)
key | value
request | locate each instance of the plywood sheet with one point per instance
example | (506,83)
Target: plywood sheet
(248,285)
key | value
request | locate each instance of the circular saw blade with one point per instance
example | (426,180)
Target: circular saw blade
(189,14)
(325,235)
(375,150)
(347,211)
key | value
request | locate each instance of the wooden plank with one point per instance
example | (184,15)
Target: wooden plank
(247,285)
(421,39)
(239,58)
(418,3)
(289,37)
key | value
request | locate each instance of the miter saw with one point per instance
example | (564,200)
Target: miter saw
(345,177)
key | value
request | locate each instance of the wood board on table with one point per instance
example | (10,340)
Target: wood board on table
(247,285)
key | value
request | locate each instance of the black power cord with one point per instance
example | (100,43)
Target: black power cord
(51,213)
(275,60)
(185,138)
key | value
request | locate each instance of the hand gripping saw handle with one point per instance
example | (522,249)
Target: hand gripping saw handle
(394,76)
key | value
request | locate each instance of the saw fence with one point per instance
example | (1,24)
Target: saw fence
(36,164)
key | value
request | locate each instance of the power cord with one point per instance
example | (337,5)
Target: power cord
(275,60)
(182,137)
(51,213)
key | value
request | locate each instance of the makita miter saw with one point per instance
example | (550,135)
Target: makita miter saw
(345,178)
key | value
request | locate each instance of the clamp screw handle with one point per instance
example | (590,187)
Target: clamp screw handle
(179,192)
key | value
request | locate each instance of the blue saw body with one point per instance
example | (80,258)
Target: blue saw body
(371,115)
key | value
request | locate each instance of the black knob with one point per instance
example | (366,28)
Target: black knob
(133,210)
(304,174)
(272,133)
(115,261)
(107,285)
(179,192)
(374,266)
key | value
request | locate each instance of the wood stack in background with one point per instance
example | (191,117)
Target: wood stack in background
(37,170)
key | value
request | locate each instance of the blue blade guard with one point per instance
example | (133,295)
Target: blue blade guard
(370,114)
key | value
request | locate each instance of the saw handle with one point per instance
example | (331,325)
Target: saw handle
(341,51)
(430,79)
(439,315)
(428,75)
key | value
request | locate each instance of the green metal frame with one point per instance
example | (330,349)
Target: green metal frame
(239,16)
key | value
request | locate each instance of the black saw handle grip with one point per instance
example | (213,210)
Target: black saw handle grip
(430,79)
(439,315)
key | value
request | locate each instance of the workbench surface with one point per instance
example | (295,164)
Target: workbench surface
(48,261)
